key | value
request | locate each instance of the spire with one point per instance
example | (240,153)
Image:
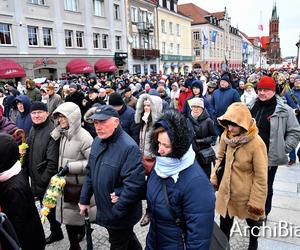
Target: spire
(274,13)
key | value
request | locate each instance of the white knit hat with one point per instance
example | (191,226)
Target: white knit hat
(196,101)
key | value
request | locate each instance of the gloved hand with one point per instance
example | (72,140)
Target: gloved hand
(63,171)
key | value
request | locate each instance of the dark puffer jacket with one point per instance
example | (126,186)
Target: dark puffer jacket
(198,212)
(203,131)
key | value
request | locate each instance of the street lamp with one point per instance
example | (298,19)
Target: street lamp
(298,53)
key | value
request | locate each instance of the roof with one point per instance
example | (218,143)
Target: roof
(198,14)
(193,11)
(244,35)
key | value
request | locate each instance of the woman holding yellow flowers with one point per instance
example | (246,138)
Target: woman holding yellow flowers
(74,150)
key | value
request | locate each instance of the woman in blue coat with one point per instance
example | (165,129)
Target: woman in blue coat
(178,179)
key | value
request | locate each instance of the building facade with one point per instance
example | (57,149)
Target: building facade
(216,44)
(174,38)
(44,35)
(142,37)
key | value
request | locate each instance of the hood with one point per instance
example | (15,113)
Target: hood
(8,101)
(26,103)
(238,113)
(156,107)
(73,114)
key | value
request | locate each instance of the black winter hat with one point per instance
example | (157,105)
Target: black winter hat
(198,84)
(177,129)
(9,152)
(39,106)
(226,77)
(115,99)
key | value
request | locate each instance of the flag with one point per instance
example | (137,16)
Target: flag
(204,40)
(213,36)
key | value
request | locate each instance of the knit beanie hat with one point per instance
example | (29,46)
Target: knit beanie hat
(266,82)
(9,152)
(115,99)
(73,85)
(39,106)
(196,101)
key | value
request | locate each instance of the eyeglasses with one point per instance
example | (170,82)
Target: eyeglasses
(38,112)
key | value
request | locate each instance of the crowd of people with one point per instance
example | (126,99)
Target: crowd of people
(120,140)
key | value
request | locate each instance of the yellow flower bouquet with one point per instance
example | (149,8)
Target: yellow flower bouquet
(54,190)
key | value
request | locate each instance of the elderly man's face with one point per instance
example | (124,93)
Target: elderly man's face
(105,129)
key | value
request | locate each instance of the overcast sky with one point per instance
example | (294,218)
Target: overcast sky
(246,16)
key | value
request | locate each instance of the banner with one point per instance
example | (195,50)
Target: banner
(213,36)
(204,40)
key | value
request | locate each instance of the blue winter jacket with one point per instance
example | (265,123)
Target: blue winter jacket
(128,124)
(193,200)
(115,165)
(222,98)
(23,119)
(290,101)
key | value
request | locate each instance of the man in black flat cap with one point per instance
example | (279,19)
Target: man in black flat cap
(116,177)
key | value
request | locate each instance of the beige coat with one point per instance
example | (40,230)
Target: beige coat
(243,189)
(74,149)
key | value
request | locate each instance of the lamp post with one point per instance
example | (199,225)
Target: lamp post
(298,53)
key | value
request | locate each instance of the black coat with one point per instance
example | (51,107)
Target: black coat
(42,157)
(204,134)
(76,98)
(16,201)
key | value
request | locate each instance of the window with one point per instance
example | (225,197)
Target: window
(171,48)
(163,47)
(39,2)
(153,68)
(5,34)
(116,11)
(150,17)
(177,29)
(96,40)
(104,41)
(68,38)
(163,26)
(134,41)
(178,49)
(118,42)
(98,7)
(79,39)
(196,35)
(134,14)
(151,42)
(165,3)
(172,5)
(47,36)
(32,35)
(143,16)
(197,51)
(71,5)
(136,68)
(171,28)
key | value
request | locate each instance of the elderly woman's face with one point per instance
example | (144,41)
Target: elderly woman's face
(164,144)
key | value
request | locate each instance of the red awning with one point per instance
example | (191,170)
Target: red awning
(105,66)
(79,66)
(10,69)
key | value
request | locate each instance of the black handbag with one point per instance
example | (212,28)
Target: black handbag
(219,240)
(207,155)
(221,168)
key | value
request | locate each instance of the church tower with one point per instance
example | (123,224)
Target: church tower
(273,50)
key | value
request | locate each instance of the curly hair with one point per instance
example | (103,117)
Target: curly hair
(175,124)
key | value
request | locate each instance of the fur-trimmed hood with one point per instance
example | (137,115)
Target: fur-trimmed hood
(181,139)
(156,107)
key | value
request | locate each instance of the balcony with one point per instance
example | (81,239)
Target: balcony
(145,27)
(145,53)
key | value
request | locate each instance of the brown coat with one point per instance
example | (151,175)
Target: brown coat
(244,183)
